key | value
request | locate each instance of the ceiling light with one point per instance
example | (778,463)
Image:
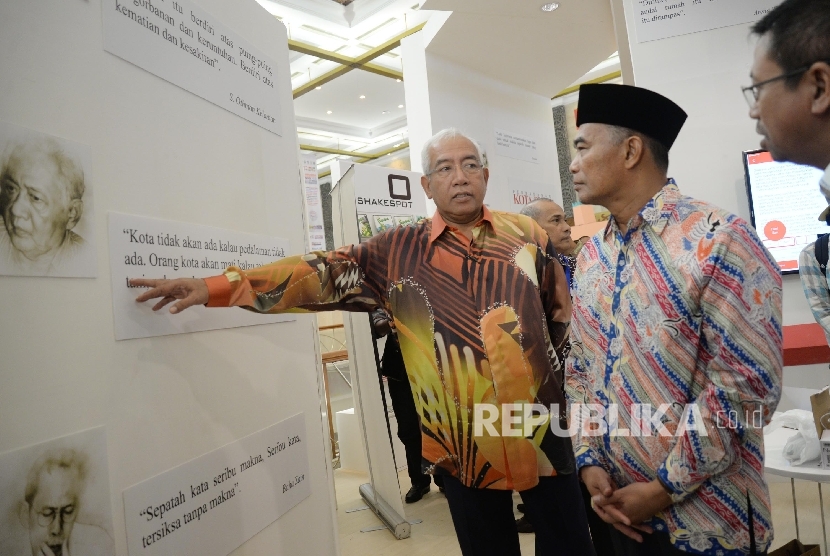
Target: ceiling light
(400,106)
(317,88)
(328,112)
(398,80)
(385,112)
(549,7)
(362,96)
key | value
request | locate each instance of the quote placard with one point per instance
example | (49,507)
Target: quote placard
(313,204)
(214,503)
(661,19)
(183,44)
(143,247)
(516,146)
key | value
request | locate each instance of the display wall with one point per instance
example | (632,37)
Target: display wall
(158,151)
(514,126)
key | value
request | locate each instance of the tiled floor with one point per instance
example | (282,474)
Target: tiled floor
(435,536)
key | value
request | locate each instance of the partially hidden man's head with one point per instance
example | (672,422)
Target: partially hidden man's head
(52,499)
(455,175)
(41,196)
(551,217)
(623,132)
(790,72)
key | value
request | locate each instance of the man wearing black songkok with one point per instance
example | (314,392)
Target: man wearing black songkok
(676,340)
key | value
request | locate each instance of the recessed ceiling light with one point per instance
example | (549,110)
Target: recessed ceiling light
(398,80)
(317,88)
(328,112)
(400,106)
(549,7)
(362,96)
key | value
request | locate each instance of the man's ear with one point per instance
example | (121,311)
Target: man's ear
(76,210)
(425,185)
(820,75)
(634,151)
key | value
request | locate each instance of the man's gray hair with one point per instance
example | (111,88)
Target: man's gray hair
(532,209)
(68,169)
(440,137)
(65,458)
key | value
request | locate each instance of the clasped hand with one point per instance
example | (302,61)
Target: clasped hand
(625,508)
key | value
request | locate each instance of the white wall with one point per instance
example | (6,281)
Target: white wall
(703,73)
(157,151)
(441,94)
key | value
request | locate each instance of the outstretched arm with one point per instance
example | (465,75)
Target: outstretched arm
(352,278)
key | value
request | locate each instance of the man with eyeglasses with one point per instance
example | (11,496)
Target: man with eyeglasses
(52,502)
(481,307)
(790,94)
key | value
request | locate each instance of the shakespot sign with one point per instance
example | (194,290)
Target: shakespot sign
(386,198)
(386,190)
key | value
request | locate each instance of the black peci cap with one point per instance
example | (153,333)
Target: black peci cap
(632,107)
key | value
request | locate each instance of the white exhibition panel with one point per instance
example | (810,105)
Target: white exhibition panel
(249,483)
(143,247)
(514,126)
(367,182)
(159,151)
(662,19)
(186,45)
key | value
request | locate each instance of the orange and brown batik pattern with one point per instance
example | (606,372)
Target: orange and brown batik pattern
(479,320)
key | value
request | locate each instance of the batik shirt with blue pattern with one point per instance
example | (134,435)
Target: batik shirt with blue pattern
(682,311)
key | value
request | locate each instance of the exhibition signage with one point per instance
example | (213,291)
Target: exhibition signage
(151,248)
(661,19)
(523,192)
(387,197)
(183,44)
(313,204)
(214,503)
(516,146)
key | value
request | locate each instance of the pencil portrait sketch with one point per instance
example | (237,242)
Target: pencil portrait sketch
(45,206)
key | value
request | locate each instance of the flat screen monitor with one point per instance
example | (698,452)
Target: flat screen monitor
(784,204)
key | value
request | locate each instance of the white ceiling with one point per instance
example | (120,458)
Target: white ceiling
(354,124)
(510,40)
(342,98)
(516,42)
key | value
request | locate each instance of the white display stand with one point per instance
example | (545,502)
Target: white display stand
(383,493)
(157,151)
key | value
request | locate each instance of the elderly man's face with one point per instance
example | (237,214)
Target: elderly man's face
(598,163)
(35,203)
(457,182)
(782,113)
(54,509)
(551,217)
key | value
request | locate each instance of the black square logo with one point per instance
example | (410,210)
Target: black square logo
(397,186)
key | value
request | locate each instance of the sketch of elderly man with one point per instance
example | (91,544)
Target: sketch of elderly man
(51,505)
(41,201)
